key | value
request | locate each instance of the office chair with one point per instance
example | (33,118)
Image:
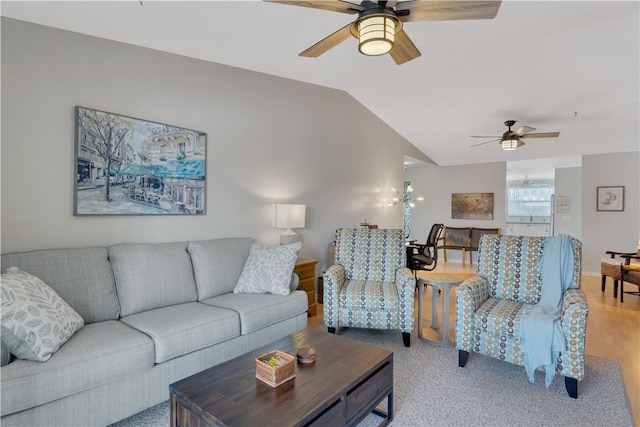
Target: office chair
(425,257)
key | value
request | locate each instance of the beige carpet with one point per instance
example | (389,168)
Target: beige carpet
(431,390)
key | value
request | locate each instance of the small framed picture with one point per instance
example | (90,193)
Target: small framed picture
(610,199)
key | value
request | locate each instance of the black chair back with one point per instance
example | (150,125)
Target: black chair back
(425,257)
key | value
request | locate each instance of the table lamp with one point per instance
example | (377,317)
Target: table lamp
(289,217)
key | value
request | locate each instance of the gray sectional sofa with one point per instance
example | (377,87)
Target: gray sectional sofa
(153,313)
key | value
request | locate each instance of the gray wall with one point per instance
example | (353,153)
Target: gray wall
(437,184)
(268,140)
(613,231)
(568,183)
(599,231)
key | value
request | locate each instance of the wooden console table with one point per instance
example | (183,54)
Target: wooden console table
(306,271)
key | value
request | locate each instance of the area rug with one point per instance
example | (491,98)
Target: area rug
(431,390)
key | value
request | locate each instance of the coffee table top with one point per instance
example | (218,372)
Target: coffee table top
(230,394)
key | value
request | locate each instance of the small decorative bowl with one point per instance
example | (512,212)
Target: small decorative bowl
(306,355)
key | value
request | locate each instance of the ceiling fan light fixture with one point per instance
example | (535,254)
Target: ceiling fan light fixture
(376,34)
(511,144)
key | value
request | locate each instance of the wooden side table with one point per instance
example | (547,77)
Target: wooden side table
(306,271)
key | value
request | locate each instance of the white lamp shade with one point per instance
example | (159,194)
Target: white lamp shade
(289,216)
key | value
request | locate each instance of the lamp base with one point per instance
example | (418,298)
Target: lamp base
(286,238)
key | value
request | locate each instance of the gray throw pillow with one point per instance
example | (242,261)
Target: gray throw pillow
(5,355)
(35,320)
(268,269)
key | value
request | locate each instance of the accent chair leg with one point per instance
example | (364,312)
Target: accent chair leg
(462,358)
(406,339)
(331,330)
(571,384)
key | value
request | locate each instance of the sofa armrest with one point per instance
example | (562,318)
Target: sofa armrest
(469,297)
(574,325)
(406,285)
(332,280)
(295,281)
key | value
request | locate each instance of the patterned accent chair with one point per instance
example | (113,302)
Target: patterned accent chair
(369,285)
(489,306)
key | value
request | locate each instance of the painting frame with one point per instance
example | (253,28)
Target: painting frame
(472,206)
(610,198)
(130,166)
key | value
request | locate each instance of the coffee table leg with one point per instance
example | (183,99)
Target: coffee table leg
(388,416)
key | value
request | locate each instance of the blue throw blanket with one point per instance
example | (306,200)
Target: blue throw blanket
(542,337)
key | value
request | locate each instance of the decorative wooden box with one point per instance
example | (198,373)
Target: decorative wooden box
(278,374)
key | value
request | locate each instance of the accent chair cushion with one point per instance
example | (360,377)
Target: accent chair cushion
(499,317)
(268,269)
(35,320)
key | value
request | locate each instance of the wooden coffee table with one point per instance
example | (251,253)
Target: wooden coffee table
(346,383)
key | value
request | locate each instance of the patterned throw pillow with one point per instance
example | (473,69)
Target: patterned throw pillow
(35,320)
(268,269)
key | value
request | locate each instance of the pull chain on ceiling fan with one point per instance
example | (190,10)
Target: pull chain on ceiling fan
(379,26)
(512,139)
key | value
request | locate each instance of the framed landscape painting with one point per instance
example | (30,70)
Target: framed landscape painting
(129,166)
(472,205)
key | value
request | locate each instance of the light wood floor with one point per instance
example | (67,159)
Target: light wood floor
(613,328)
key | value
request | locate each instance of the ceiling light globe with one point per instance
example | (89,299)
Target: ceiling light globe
(510,144)
(376,35)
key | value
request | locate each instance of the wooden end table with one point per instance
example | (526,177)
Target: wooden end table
(347,382)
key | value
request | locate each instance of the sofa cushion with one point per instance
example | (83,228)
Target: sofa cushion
(152,275)
(184,328)
(96,354)
(82,277)
(35,320)
(217,264)
(260,310)
(268,269)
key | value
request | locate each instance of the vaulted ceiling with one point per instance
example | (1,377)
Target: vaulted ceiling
(569,66)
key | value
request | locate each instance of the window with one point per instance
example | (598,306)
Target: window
(529,198)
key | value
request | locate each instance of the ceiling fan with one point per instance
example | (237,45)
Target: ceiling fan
(378,27)
(512,139)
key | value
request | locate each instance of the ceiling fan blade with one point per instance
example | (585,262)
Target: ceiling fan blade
(523,130)
(421,10)
(486,136)
(403,49)
(334,6)
(542,135)
(328,42)
(482,143)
